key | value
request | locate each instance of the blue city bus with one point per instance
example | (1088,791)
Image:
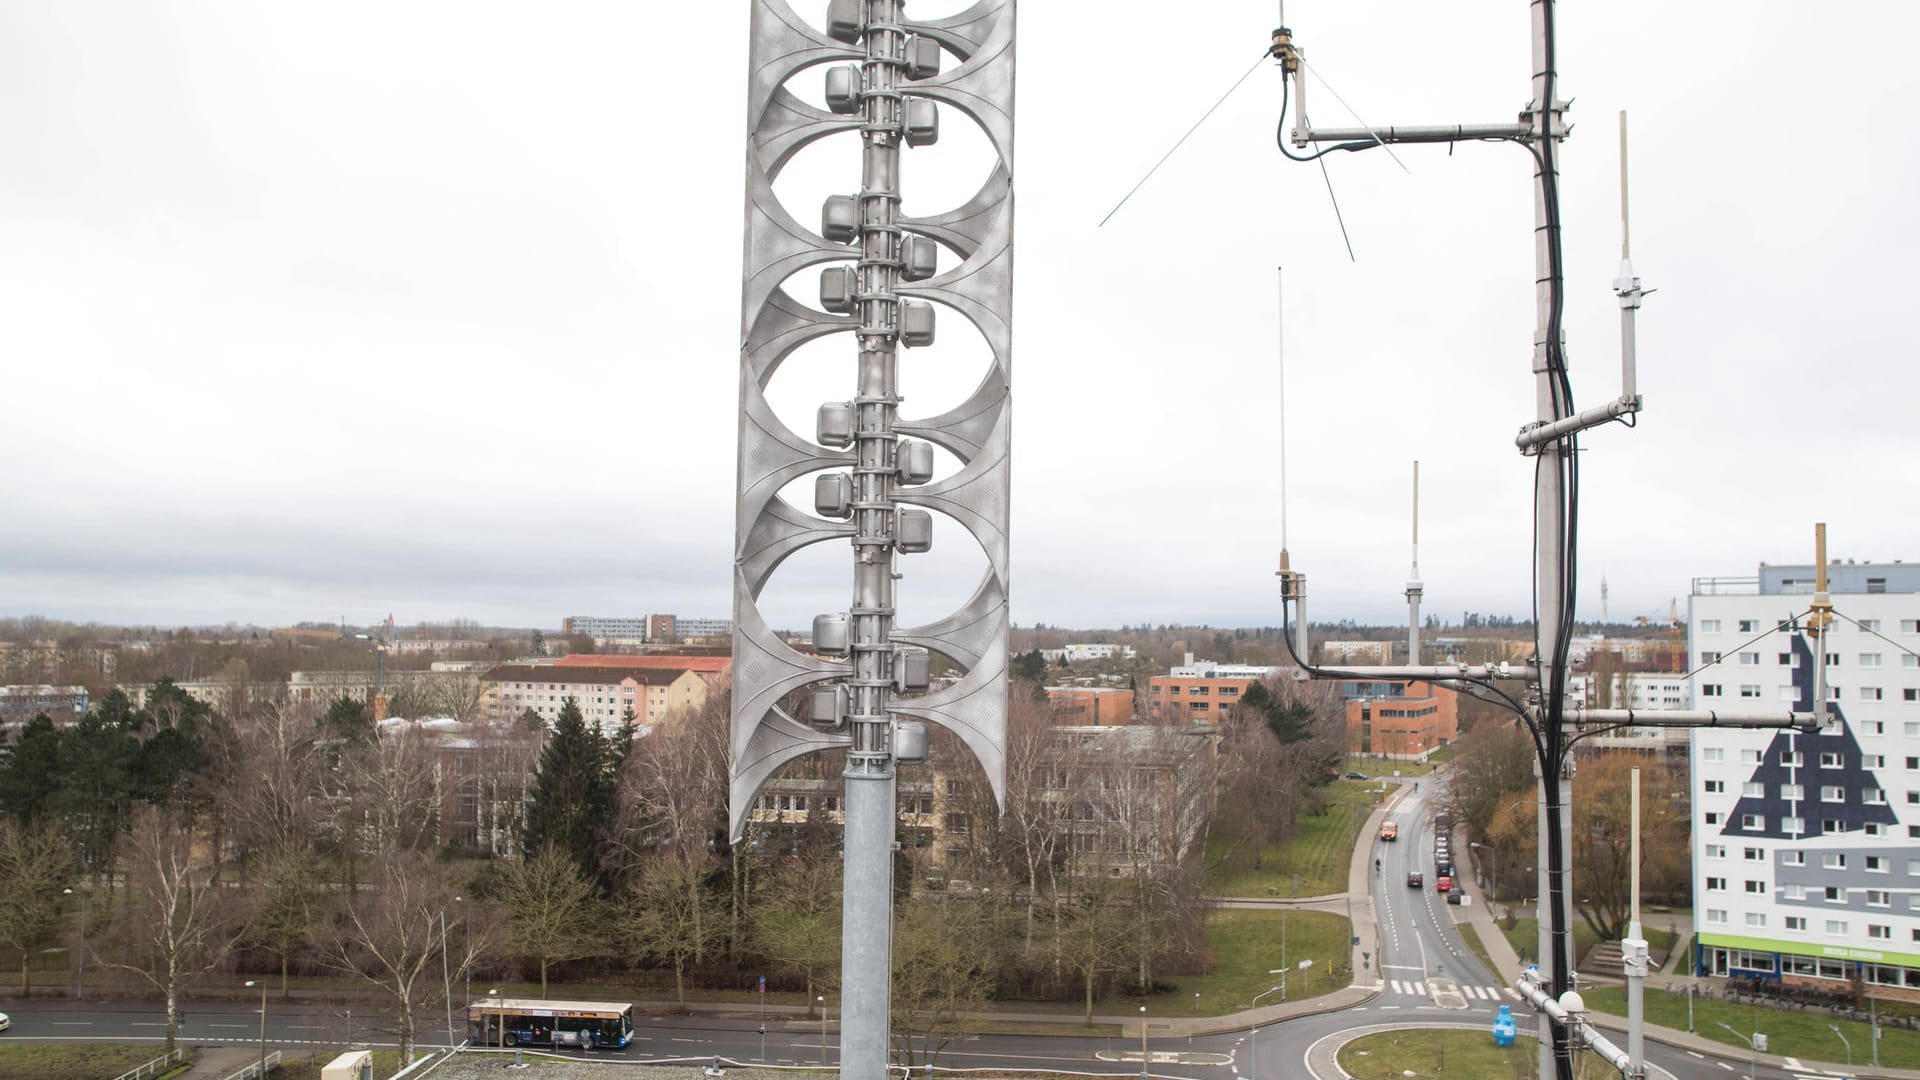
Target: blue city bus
(589,1025)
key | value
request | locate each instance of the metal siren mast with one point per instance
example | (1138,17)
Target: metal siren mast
(867,679)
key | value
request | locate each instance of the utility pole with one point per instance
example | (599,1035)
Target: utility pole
(872,468)
(1550,439)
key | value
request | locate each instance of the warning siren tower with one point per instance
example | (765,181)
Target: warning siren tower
(864,687)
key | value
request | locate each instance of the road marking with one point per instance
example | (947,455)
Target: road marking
(1389,1006)
(1724,1065)
(89,1023)
(305,1027)
(1419,989)
(241,1027)
(1695,1053)
(1793,1064)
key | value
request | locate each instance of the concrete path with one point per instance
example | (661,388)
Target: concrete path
(219,1062)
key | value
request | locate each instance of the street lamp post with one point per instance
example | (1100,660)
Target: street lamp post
(1753,1046)
(80,970)
(1493,890)
(500,1016)
(1835,1028)
(1143,1042)
(446,981)
(822,1002)
(763,1042)
(1253,1033)
(263,1025)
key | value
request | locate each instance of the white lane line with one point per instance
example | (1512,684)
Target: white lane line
(1793,1064)
(79,1023)
(1696,1053)
(242,1027)
(1724,1065)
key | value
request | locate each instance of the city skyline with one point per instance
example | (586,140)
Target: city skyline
(443,319)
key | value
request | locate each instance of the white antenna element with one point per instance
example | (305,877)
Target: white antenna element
(1414,589)
(1293,586)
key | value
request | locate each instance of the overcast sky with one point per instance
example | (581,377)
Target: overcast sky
(317,310)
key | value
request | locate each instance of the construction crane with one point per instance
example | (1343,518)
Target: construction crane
(1676,632)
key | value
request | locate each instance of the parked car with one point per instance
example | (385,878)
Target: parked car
(1416,880)
(1356,776)
(5,1021)
(1443,883)
(1454,896)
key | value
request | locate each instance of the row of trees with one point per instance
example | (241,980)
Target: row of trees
(281,838)
(1495,795)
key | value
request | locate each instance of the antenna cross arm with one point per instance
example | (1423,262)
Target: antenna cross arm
(1443,133)
(1533,436)
(1690,718)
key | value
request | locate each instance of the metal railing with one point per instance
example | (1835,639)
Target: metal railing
(253,1070)
(156,1066)
(1726,586)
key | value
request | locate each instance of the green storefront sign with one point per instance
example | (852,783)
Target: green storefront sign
(1824,952)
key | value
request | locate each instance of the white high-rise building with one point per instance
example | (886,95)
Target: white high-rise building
(1806,847)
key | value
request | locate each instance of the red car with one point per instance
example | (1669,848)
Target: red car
(1443,883)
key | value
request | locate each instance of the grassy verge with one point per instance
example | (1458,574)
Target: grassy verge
(1525,937)
(385,1063)
(1790,1034)
(74,1061)
(1388,766)
(1247,946)
(1389,1055)
(1472,937)
(1318,852)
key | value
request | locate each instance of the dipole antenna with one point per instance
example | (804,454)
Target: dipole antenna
(1293,585)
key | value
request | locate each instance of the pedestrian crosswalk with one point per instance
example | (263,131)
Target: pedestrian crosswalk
(1417,988)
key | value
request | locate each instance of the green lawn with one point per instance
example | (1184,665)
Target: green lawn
(1319,851)
(1246,945)
(1472,937)
(1525,936)
(75,1061)
(1387,766)
(385,1064)
(1790,1034)
(1390,1055)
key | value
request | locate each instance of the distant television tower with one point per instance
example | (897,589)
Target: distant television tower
(881,277)
(1414,589)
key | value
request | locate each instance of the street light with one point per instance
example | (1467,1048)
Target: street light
(1143,1042)
(1253,1032)
(263,1026)
(1753,1045)
(763,1042)
(500,1015)
(1835,1028)
(1494,890)
(80,972)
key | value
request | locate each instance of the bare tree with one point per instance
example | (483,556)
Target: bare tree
(1091,934)
(287,897)
(552,909)
(672,918)
(275,809)
(394,784)
(392,937)
(35,865)
(943,968)
(796,919)
(174,923)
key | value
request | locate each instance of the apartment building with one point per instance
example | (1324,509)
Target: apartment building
(1806,847)
(62,704)
(604,694)
(1091,706)
(1200,692)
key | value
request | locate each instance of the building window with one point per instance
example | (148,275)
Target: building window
(1874,761)
(1719,851)
(1832,826)
(1709,626)
(1830,759)
(1792,757)
(1872,693)
(1833,860)
(1716,884)
(1878,932)
(1910,626)
(1754,789)
(1835,894)
(1793,858)
(1708,656)
(1756,919)
(1793,792)
(1879,898)
(1749,757)
(1715,787)
(1873,796)
(1709,689)
(1716,915)
(1751,821)
(1757,888)
(1749,626)
(1793,826)
(1837,927)
(1749,659)
(1831,793)
(1869,659)
(1753,854)
(1713,753)
(1749,690)
(1797,922)
(1714,817)
(1786,659)
(1793,892)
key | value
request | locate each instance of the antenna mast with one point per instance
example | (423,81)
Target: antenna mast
(1414,589)
(1293,586)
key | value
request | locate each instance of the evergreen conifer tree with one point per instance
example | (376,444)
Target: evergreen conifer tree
(573,793)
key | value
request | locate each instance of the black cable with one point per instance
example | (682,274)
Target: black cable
(1280,132)
(1508,700)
